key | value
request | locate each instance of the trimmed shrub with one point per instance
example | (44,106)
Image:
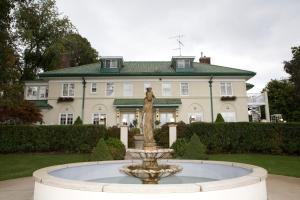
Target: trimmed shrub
(116,148)
(179,147)
(54,138)
(195,149)
(101,152)
(161,135)
(219,118)
(78,121)
(113,132)
(241,137)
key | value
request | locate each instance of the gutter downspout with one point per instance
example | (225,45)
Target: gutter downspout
(83,98)
(211,100)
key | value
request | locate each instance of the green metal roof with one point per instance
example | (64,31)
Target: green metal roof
(129,103)
(147,68)
(42,104)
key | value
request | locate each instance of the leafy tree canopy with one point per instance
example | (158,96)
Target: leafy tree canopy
(281,95)
(292,67)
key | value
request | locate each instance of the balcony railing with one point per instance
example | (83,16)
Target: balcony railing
(256,99)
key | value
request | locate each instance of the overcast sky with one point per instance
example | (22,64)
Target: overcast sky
(255,35)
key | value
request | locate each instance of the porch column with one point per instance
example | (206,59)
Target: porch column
(267,111)
(124,135)
(172,134)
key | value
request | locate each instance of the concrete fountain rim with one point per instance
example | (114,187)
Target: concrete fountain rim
(257,175)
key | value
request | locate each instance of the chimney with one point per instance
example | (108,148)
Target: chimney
(204,59)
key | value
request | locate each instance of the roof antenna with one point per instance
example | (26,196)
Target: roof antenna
(180,44)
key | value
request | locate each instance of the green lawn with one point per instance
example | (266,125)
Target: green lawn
(281,165)
(21,165)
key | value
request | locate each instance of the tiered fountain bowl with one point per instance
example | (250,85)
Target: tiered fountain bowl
(150,172)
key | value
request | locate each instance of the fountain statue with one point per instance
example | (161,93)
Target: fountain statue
(150,172)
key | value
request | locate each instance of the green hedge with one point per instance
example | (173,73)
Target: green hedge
(55,138)
(241,137)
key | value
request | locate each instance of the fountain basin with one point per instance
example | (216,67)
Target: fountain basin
(101,180)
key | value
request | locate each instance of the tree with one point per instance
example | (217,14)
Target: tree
(195,149)
(219,118)
(38,26)
(281,96)
(101,152)
(8,56)
(292,67)
(70,51)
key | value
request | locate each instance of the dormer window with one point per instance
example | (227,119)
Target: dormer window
(180,63)
(183,63)
(111,63)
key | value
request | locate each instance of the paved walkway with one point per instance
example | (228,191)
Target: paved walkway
(279,188)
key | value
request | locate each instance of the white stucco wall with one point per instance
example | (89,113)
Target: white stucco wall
(197,101)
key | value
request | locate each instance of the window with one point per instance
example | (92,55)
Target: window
(99,118)
(195,117)
(226,89)
(127,89)
(146,85)
(166,89)
(111,63)
(128,118)
(184,89)
(68,90)
(32,92)
(165,118)
(228,116)
(180,63)
(43,92)
(109,89)
(66,118)
(94,87)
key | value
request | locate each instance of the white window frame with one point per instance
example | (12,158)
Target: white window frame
(127,89)
(68,90)
(38,92)
(32,97)
(128,117)
(197,115)
(180,63)
(226,86)
(163,89)
(113,89)
(93,84)
(99,117)
(113,64)
(226,117)
(67,117)
(169,116)
(188,87)
(45,92)
(146,85)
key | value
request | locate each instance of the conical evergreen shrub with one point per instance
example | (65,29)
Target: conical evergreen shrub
(195,149)
(101,152)
(219,118)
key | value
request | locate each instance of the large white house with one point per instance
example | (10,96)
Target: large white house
(111,91)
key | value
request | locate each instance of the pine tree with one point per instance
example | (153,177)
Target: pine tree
(195,149)
(101,152)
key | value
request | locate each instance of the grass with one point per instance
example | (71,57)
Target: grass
(274,164)
(21,165)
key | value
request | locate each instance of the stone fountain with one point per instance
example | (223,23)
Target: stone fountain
(150,172)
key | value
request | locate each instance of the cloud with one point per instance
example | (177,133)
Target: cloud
(250,34)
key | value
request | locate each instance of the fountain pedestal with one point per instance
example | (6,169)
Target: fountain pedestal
(150,172)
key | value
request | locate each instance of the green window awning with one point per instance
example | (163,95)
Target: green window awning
(41,104)
(138,103)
